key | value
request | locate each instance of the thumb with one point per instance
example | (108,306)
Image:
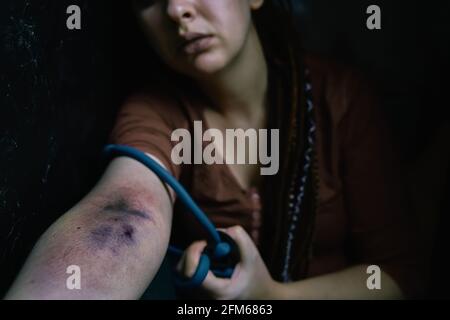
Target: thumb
(245,244)
(190,259)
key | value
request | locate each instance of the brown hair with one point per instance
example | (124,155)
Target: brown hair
(284,53)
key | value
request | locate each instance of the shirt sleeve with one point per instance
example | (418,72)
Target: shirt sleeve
(382,232)
(146,122)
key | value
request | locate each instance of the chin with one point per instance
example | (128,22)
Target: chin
(208,64)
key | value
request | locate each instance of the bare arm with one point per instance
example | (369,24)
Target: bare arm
(118,235)
(349,283)
(252,280)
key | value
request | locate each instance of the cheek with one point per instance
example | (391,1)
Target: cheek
(232,22)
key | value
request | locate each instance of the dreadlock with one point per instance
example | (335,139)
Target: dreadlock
(282,46)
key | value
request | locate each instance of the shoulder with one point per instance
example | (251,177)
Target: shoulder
(332,75)
(340,89)
(159,104)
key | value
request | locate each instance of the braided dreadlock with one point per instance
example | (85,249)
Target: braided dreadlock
(287,236)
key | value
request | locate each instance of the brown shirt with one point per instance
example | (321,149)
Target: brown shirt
(360,216)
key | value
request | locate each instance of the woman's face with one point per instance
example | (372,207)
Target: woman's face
(197,37)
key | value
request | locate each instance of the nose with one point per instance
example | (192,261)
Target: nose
(181,11)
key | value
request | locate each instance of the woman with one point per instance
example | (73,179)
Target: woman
(309,231)
(250,79)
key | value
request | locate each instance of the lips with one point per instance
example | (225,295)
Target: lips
(195,43)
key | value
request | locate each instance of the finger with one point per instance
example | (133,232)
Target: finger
(219,286)
(244,242)
(190,259)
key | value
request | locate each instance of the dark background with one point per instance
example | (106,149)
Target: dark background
(58,100)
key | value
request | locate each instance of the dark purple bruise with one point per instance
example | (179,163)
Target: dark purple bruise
(122,206)
(127,234)
(101,236)
(117,232)
(113,237)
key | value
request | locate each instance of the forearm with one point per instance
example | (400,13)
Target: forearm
(118,242)
(346,284)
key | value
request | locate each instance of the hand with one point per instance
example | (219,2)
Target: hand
(250,279)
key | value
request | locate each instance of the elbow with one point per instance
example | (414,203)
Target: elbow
(117,244)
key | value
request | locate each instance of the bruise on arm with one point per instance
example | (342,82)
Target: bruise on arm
(121,205)
(121,226)
(122,219)
(117,238)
